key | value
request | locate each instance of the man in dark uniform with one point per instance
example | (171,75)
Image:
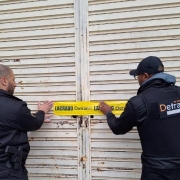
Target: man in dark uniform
(155,111)
(15,121)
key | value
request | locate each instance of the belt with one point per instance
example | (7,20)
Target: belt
(161,163)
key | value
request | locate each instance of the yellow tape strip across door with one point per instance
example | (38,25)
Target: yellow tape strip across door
(86,108)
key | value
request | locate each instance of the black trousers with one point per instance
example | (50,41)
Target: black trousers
(160,174)
(12,174)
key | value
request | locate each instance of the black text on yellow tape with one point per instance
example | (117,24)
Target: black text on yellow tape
(86,108)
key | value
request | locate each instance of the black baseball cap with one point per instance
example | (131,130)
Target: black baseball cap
(150,65)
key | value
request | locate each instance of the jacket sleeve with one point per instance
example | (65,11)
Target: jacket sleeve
(125,122)
(27,121)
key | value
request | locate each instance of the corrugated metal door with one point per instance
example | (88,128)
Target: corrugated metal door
(44,42)
(38,40)
(121,33)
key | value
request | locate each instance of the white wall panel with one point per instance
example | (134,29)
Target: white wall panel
(122,33)
(38,41)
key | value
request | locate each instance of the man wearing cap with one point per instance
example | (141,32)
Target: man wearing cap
(155,111)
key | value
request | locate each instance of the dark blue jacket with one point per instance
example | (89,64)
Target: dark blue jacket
(15,121)
(156,113)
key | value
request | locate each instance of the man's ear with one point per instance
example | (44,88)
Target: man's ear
(146,76)
(3,81)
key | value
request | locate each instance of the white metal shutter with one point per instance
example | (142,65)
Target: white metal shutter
(37,40)
(121,33)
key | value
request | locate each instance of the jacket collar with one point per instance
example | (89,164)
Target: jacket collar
(6,94)
(159,80)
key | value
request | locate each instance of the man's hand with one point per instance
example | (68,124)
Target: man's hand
(47,118)
(104,108)
(46,106)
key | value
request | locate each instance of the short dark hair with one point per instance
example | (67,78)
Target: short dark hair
(4,70)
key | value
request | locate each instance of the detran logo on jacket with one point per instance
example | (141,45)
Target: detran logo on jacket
(169,107)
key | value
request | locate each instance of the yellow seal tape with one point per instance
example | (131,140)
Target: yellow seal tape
(86,108)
